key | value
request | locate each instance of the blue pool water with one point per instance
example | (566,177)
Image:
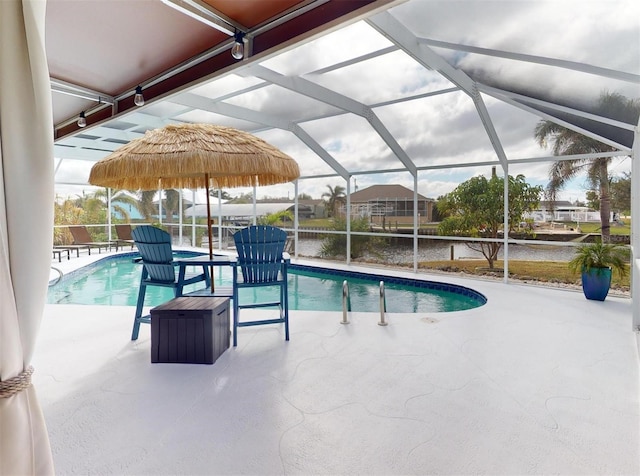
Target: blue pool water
(114,281)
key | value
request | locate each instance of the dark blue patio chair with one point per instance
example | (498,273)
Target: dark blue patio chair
(262,263)
(159,268)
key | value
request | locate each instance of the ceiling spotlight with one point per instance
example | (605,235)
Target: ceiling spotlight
(82,121)
(138,99)
(237,51)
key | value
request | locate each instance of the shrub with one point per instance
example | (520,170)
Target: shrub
(336,245)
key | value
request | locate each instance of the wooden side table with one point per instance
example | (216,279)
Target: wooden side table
(190,330)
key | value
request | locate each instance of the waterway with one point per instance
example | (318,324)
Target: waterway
(436,250)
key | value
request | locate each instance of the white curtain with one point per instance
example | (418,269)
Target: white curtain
(26,224)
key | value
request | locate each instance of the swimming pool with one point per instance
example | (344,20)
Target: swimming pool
(114,281)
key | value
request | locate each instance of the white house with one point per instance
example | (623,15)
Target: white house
(563,211)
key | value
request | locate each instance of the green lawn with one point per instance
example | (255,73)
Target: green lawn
(317,222)
(544,271)
(595,227)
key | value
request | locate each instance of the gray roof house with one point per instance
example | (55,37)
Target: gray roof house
(391,202)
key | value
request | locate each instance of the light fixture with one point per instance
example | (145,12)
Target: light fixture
(237,51)
(138,99)
(82,121)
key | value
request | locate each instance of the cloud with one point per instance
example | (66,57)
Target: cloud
(341,45)
(72,171)
(441,129)
(603,34)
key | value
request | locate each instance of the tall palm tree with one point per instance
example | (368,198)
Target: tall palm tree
(567,142)
(146,207)
(171,204)
(121,202)
(334,197)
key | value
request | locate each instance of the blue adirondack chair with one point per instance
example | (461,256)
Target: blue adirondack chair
(159,268)
(262,262)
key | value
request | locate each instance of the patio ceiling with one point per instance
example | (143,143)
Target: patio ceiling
(346,88)
(99,51)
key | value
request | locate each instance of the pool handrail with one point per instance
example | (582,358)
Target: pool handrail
(346,302)
(383,305)
(57,280)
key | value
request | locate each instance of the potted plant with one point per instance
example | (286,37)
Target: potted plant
(596,262)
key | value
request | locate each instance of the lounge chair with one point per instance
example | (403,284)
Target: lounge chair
(262,262)
(58,252)
(159,269)
(124,236)
(82,239)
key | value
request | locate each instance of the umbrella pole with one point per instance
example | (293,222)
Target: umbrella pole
(209,232)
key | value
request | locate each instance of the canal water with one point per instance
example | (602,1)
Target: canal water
(436,250)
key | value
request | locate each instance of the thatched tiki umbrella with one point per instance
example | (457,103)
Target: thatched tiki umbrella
(194,156)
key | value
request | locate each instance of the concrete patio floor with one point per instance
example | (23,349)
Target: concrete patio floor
(537,381)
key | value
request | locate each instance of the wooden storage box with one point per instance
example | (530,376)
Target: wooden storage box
(190,330)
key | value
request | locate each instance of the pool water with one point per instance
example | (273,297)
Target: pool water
(114,281)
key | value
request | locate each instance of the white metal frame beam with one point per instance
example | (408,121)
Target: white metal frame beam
(395,31)
(310,89)
(105,132)
(572,65)
(237,112)
(501,93)
(635,230)
(206,14)
(70,89)
(76,153)
(142,119)
(80,143)
(508,98)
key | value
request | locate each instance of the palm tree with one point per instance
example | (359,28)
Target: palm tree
(334,197)
(171,204)
(145,204)
(121,202)
(567,142)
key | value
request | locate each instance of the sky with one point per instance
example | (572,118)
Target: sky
(441,129)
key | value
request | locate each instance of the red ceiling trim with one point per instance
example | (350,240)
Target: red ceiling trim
(194,73)
(330,11)
(92,118)
(315,18)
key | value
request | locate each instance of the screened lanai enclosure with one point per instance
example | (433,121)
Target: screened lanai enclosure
(419,94)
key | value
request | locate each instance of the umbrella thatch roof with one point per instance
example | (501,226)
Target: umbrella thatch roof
(179,156)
